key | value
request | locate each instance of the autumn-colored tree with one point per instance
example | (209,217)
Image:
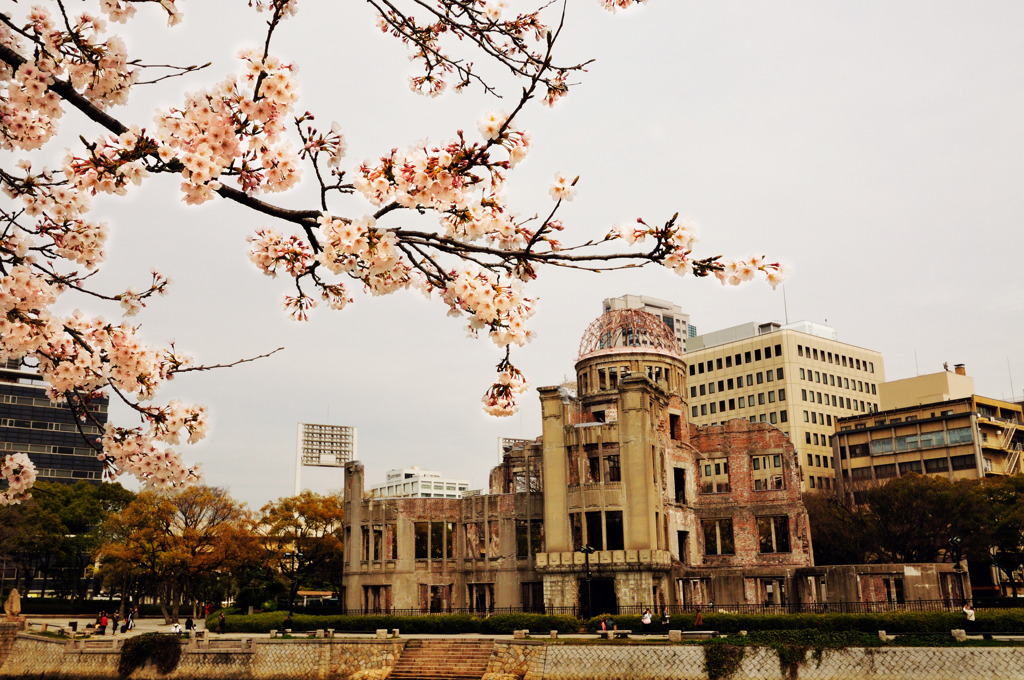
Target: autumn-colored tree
(172,545)
(302,536)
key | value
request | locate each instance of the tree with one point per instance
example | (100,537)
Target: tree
(302,536)
(1006,501)
(233,141)
(57,532)
(172,545)
(905,520)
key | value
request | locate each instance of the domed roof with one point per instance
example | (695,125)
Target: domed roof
(628,330)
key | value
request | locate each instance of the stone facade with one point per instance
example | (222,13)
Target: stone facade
(620,502)
(518,661)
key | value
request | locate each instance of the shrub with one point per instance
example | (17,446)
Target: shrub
(506,624)
(164,650)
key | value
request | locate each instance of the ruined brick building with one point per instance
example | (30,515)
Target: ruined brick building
(674,514)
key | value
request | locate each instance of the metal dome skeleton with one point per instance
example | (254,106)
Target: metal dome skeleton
(628,330)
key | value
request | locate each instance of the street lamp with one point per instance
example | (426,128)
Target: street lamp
(587,552)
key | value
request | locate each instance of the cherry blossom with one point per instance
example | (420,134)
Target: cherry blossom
(240,136)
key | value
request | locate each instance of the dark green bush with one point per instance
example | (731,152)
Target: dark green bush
(164,650)
(506,624)
(60,607)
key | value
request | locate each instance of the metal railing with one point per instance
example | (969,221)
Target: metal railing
(951,605)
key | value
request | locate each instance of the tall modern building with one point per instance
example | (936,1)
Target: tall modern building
(672,315)
(30,423)
(799,378)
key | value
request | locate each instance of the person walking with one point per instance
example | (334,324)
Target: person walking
(220,624)
(103,623)
(664,620)
(646,620)
(189,624)
(129,620)
(698,622)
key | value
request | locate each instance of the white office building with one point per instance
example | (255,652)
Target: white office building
(416,483)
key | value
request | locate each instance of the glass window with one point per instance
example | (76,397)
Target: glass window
(773,533)
(772,418)
(718,539)
(782,416)
(771,397)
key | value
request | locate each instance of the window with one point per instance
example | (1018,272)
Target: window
(746,357)
(692,369)
(760,378)
(885,471)
(830,357)
(721,386)
(782,395)
(613,377)
(700,368)
(750,380)
(771,397)
(613,526)
(768,352)
(522,538)
(732,404)
(778,374)
(714,408)
(595,536)
(693,391)
(738,360)
(773,534)
(718,537)
(766,472)
(702,390)
(807,438)
(772,418)
(422,539)
(960,435)
(812,482)
(715,476)
(743,402)
(873,390)
(613,469)
(933,465)
(807,417)
(718,363)
(815,354)
(817,377)
(728,383)
(757,355)
(728,361)
(679,478)
(778,350)
(576,527)
(803,394)
(815,440)
(817,461)
(704,409)
(711,365)
(962,462)
(693,412)
(910,466)
(711,388)
(783,417)
(871,364)
(769,375)
(799,350)
(682,539)
(601,380)
(674,424)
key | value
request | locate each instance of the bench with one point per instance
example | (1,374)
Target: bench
(612,634)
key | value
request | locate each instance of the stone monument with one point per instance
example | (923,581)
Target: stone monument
(12,608)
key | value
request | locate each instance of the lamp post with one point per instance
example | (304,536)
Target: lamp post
(587,552)
(955,542)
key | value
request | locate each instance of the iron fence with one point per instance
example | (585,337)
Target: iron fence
(637,610)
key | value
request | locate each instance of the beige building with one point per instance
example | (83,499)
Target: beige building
(934,424)
(799,378)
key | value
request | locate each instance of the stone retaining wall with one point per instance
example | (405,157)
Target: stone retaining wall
(255,660)
(263,659)
(8,632)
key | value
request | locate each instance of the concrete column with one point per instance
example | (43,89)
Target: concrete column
(556,509)
(635,442)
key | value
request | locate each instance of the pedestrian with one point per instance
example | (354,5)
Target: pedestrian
(96,625)
(176,628)
(288,622)
(664,619)
(969,611)
(698,623)
(611,624)
(129,621)
(646,620)
(103,623)
(114,620)
(220,624)
(189,624)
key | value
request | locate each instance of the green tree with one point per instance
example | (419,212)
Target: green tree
(1006,501)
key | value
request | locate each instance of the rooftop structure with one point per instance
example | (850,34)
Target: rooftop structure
(319,445)
(416,483)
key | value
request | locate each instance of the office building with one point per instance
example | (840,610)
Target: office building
(416,483)
(672,315)
(799,378)
(60,447)
(934,425)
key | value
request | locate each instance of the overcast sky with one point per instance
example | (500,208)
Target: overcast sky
(875,147)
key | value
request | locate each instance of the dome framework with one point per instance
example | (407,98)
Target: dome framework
(628,329)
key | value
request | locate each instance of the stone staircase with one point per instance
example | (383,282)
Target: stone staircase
(443,659)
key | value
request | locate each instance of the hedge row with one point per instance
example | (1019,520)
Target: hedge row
(59,607)
(503,624)
(1010,621)
(444,624)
